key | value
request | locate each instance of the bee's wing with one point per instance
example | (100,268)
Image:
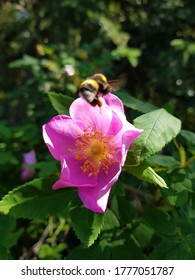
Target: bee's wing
(115,84)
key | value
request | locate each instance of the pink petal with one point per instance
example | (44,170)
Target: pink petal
(72,175)
(97,117)
(60,133)
(128,137)
(129,134)
(114,103)
(124,139)
(115,125)
(96,198)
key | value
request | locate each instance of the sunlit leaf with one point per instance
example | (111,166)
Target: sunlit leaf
(35,199)
(159,127)
(144,172)
(132,54)
(179,44)
(48,252)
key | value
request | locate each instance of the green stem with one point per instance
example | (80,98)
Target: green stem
(182,154)
(59,228)
(51,233)
(190,160)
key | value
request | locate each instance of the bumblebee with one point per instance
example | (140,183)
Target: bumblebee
(96,86)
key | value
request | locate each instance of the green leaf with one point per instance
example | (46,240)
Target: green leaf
(7,235)
(186,185)
(110,221)
(124,248)
(160,221)
(46,168)
(159,127)
(191,48)
(6,157)
(132,54)
(123,209)
(134,103)
(99,251)
(179,44)
(181,187)
(86,224)
(48,252)
(113,30)
(163,160)
(175,197)
(143,234)
(60,102)
(5,131)
(118,189)
(172,249)
(146,173)
(26,61)
(36,199)
(188,135)
(5,254)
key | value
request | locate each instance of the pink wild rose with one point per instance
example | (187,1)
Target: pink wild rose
(91,144)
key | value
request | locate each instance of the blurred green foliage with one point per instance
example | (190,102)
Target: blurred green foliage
(150,47)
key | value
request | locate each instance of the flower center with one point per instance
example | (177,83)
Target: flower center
(95,150)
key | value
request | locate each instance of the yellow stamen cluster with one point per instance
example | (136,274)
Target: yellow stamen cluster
(95,151)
